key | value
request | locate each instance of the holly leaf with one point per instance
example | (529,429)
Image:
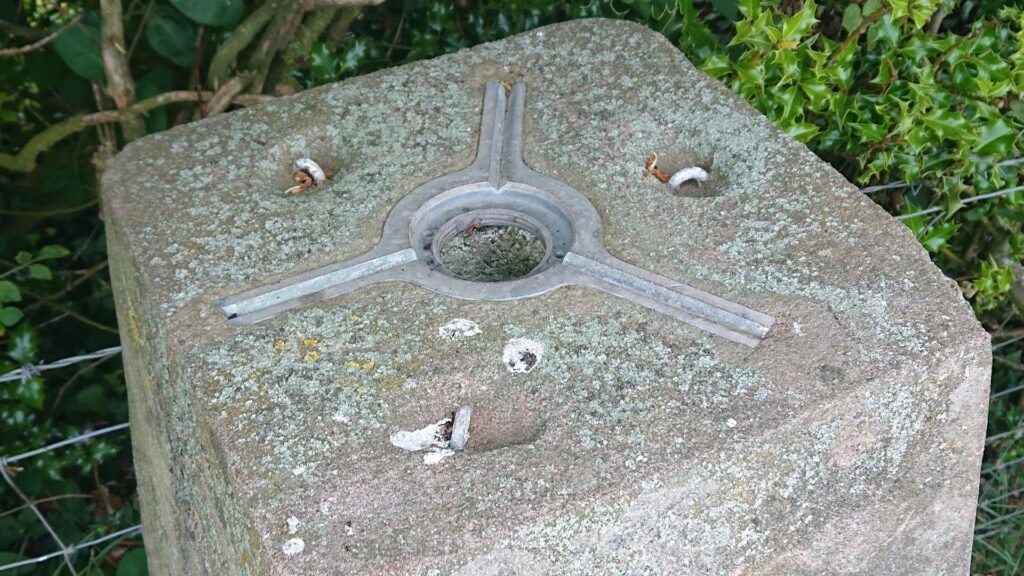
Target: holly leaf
(996,138)
(800,23)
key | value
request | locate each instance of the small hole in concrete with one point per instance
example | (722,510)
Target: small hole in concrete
(492,253)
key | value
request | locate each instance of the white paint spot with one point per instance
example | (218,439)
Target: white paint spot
(435,456)
(522,355)
(299,469)
(293,524)
(293,547)
(730,423)
(797,329)
(430,436)
(325,507)
(695,173)
(459,327)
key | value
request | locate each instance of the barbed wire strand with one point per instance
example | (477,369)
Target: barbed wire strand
(28,370)
(62,443)
(65,551)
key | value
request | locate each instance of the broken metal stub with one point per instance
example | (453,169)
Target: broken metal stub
(498,189)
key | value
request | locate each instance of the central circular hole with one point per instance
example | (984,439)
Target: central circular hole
(491,253)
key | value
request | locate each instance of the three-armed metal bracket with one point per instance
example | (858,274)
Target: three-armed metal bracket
(498,189)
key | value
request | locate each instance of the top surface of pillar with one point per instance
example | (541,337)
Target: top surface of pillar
(836,389)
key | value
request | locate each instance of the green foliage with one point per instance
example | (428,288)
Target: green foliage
(80,47)
(924,92)
(212,12)
(172,35)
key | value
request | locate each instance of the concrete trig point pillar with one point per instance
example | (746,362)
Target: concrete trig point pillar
(761,375)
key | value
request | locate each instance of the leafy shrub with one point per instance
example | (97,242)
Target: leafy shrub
(917,100)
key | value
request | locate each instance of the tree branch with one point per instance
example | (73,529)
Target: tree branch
(243,35)
(42,42)
(287,19)
(228,92)
(294,53)
(856,34)
(120,85)
(25,160)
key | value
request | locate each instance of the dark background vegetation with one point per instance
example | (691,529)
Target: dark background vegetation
(918,100)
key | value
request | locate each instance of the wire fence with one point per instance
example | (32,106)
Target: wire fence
(63,550)
(987,525)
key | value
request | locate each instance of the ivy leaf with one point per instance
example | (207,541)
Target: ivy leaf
(30,392)
(996,138)
(23,345)
(800,23)
(172,35)
(212,12)
(23,258)
(79,47)
(9,316)
(9,292)
(938,235)
(51,251)
(852,18)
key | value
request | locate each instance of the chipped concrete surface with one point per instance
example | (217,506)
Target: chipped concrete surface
(859,422)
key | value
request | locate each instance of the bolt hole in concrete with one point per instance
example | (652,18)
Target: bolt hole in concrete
(493,253)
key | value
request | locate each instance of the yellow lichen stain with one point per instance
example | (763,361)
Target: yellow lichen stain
(355,318)
(311,342)
(367,365)
(280,345)
(134,323)
(311,356)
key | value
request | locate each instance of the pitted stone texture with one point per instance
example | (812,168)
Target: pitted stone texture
(848,442)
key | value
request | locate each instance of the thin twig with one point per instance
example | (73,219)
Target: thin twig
(43,501)
(54,212)
(25,160)
(39,515)
(142,26)
(43,41)
(120,86)
(856,34)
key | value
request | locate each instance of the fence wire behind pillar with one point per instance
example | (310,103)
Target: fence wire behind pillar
(7,470)
(998,511)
